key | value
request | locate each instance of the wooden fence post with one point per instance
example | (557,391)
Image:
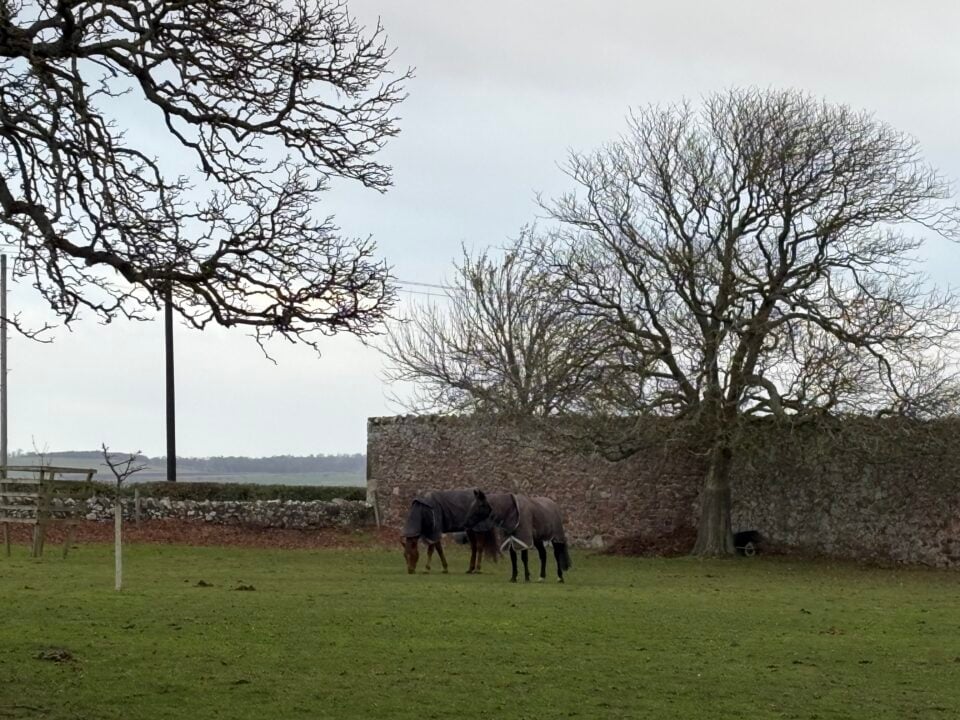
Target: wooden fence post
(118,541)
(136,505)
(35,545)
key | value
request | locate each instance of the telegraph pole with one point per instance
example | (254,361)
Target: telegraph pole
(3,360)
(171,400)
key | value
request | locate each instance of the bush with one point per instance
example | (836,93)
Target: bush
(216,491)
(76,489)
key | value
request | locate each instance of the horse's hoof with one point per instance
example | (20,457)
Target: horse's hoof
(513,580)
(539,579)
(560,580)
(445,571)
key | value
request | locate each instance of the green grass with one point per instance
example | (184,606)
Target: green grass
(347,634)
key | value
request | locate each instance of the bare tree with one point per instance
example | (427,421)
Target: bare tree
(270,99)
(756,258)
(122,468)
(501,343)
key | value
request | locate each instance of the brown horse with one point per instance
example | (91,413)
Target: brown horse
(444,511)
(527,522)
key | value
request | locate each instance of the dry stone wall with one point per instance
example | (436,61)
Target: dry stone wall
(870,491)
(305,515)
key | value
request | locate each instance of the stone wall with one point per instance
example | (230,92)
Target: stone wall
(653,491)
(871,490)
(304,515)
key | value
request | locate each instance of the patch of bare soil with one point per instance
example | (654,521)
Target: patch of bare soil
(678,542)
(186,532)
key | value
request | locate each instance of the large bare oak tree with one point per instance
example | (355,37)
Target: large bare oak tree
(269,100)
(758,256)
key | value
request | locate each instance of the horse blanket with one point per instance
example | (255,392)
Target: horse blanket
(438,512)
(526,520)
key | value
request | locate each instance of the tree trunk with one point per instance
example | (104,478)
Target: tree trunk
(715,532)
(118,543)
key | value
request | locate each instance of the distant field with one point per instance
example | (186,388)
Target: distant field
(348,634)
(188,473)
(339,479)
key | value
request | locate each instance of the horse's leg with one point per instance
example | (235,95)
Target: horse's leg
(477,539)
(525,556)
(443,558)
(513,563)
(473,552)
(426,568)
(556,556)
(542,552)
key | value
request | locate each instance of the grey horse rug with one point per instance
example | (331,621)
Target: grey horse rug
(526,520)
(441,511)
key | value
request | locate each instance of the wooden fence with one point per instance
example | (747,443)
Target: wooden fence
(35,495)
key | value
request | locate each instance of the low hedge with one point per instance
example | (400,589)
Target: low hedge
(217,491)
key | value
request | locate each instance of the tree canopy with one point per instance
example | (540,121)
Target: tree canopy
(270,101)
(758,256)
(753,257)
(502,342)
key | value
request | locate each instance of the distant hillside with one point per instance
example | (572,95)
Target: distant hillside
(280,469)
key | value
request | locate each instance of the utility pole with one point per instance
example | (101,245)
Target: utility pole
(3,360)
(171,401)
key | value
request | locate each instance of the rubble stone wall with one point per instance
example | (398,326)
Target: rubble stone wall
(893,498)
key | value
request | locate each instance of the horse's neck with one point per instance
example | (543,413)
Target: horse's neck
(504,508)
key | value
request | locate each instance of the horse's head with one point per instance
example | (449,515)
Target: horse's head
(411,552)
(479,509)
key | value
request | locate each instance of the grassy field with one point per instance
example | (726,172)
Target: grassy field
(347,634)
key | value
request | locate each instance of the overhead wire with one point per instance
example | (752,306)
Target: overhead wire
(5,247)
(429,285)
(424,294)
(404,284)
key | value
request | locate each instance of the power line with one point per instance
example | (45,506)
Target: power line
(429,285)
(424,294)
(411,283)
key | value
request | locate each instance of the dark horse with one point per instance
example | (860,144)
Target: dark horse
(445,511)
(527,522)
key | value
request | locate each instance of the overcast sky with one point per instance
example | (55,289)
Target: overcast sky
(502,91)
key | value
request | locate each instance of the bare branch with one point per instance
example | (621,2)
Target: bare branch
(122,467)
(504,342)
(270,99)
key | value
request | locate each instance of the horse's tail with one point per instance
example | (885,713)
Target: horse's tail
(563,556)
(490,546)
